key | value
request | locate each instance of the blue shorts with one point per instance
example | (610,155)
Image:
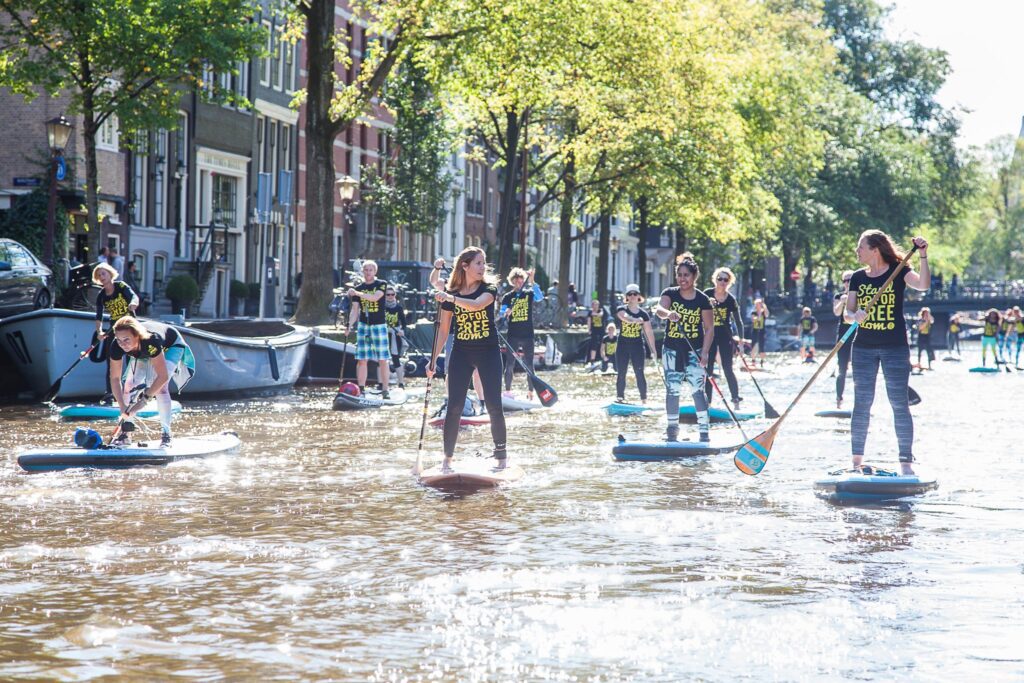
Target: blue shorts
(807,340)
(372,342)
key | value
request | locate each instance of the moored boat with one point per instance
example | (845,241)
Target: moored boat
(232,356)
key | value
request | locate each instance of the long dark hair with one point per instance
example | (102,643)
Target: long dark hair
(876,239)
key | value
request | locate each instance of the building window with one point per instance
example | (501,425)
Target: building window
(159,273)
(289,68)
(107,135)
(265,61)
(276,57)
(286,146)
(139,172)
(139,259)
(180,143)
(158,164)
(224,196)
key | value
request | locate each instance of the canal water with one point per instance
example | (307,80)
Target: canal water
(313,555)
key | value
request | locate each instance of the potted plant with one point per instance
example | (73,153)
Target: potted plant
(182,290)
(239,293)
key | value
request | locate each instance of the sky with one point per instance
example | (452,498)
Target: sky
(984,46)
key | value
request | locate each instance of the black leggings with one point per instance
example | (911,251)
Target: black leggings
(594,346)
(722,345)
(459,368)
(841,369)
(625,355)
(924,344)
(517,343)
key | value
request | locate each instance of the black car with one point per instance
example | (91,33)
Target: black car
(25,282)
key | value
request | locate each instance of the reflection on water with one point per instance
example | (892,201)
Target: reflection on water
(312,554)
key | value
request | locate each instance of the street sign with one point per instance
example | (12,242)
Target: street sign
(62,168)
(795,275)
(21,181)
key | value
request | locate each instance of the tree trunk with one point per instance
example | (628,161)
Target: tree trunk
(318,242)
(790,257)
(603,244)
(506,218)
(92,208)
(565,234)
(641,245)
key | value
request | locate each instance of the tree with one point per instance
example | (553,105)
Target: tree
(415,186)
(128,59)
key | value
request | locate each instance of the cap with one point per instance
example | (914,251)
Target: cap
(632,289)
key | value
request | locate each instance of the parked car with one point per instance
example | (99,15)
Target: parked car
(25,282)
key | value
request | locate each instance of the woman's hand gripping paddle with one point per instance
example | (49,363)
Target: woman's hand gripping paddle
(753,455)
(547,395)
(52,392)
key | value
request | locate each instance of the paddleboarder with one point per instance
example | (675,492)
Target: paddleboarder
(758,319)
(1019,327)
(634,326)
(367,316)
(517,309)
(467,303)
(117,299)
(690,316)
(925,322)
(394,317)
(597,320)
(843,357)
(993,322)
(808,327)
(609,344)
(722,343)
(953,335)
(882,339)
(156,353)
(437,281)
(1005,330)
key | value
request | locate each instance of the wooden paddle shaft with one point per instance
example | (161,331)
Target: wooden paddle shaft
(835,349)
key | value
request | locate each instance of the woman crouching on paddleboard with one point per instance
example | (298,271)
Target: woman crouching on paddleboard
(469,297)
(688,333)
(882,339)
(156,354)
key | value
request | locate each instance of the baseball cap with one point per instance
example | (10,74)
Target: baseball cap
(632,289)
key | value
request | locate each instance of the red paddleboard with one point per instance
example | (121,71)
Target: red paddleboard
(464,421)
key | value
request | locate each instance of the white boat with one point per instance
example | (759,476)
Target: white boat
(232,356)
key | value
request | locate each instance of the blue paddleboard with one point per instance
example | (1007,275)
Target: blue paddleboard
(83,411)
(841,414)
(138,454)
(660,451)
(984,369)
(880,486)
(686,412)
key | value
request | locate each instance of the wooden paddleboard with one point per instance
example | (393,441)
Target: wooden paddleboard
(470,475)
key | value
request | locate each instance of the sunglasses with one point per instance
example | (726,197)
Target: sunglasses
(722,279)
(389,294)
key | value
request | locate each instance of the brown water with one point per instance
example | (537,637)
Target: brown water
(312,554)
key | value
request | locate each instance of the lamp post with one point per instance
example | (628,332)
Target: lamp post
(347,186)
(58,132)
(613,247)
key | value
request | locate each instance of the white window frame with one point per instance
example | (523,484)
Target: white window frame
(108,135)
(265,61)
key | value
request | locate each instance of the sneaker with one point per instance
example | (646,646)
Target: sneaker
(619,399)
(107,400)
(705,437)
(165,440)
(385,395)
(122,439)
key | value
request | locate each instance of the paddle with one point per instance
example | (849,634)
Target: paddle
(753,455)
(418,468)
(913,398)
(547,395)
(715,385)
(52,392)
(769,411)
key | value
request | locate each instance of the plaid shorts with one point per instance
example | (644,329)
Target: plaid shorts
(372,342)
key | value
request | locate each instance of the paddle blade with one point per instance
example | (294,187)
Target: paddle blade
(770,412)
(548,397)
(753,455)
(913,397)
(51,393)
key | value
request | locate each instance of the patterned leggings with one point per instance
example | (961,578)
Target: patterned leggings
(895,363)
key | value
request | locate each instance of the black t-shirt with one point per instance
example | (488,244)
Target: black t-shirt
(807,324)
(371,312)
(162,337)
(690,325)
(723,310)
(610,343)
(520,320)
(115,305)
(757,320)
(597,322)
(394,316)
(474,328)
(843,325)
(630,333)
(884,325)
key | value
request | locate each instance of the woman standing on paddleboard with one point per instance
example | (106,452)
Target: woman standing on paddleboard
(721,341)
(882,339)
(758,318)
(634,327)
(953,335)
(517,308)
(147,355)
(843,357)
(925,322)
(469,299)
(993,323)
(691,319)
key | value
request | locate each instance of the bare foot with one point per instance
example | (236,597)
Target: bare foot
(907,469)
(446,466)
(858,462)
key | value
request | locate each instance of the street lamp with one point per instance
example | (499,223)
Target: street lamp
(58,131)
(347,186)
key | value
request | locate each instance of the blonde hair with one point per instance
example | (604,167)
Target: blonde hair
(764,307)
(132,325)
(369,262)
(516,272)
(727,271)
(610,327)
(108,268)
(806,309)
(458,279)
